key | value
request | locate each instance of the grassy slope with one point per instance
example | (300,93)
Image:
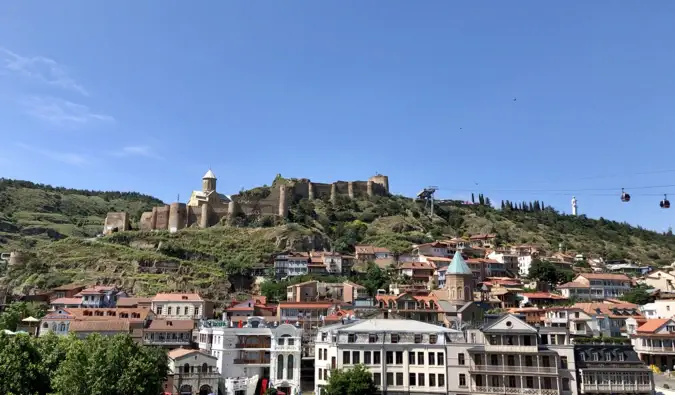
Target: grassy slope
(32,216)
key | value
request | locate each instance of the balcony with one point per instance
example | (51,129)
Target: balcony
(513,369)
(511,349)
(655,349)
(615,388)
(252,361)
(168,342)
(514,390)
(254,345)
(286,347)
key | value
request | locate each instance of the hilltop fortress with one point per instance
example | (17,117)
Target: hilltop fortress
(207,207)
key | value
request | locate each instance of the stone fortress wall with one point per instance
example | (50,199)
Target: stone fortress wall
(274,200)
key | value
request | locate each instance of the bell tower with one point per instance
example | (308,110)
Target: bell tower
(209,182)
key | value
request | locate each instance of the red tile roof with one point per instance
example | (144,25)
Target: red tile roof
(651,326)
(67,301)
(99,326)
(542,295)
(177,297)
(605,276)
(171,326)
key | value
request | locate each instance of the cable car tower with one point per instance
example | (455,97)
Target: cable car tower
(427,194)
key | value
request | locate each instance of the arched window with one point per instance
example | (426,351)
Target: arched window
(280,367)
(186,368)
(53,326)
(205,368)
(460,295)
(467,291)
(45,325)
(62,327)
(452,294)
(289,373)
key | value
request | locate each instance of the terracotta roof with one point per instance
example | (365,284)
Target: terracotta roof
(177,297)
(542,295)
(573,284)
(306,305)
(437,258)
(651,326)
(67,301)
(132,302)
(171,325)
(605,276)
(99,326)
(606,309)
(420,298)
(68,287)
(415,265)
(114,314)
(181,352)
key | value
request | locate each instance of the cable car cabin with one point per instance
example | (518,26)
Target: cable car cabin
(625,197)
(665,203)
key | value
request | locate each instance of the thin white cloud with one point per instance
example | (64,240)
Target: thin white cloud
(65,157)
(39,68)
(59,111)
(137,150)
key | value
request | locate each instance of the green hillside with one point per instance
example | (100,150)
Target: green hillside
(54,229)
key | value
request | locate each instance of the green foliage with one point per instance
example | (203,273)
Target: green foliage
(549,273)
(355,381)
(601,340)
(638,295)
(15,312)
(67,365)
(374,278)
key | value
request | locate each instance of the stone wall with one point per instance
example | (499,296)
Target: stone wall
(116,222)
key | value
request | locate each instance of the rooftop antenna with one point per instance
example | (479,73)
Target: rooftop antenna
(427,194)
(178,197)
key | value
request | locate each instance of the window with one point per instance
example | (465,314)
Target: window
(420,358)
(563,362)
(418,338)
(462,380)
(411,358)
(432,380)
(399,379)
(608,356)
(433,339)
(345,357)
(390,379)
(289,373)
(412,379)
(376,357)
(377,378)
(441,380)
(432,359)
(565,384)
(366,358)
(356,357)
(420,379)
(395,338)
(399,357)
(621,357)
(439,358)
(528,340)
(333,362)
(460,359)
(389,357)
(280,367)
(320,374)
(351,338)
(372,338)
(168,310)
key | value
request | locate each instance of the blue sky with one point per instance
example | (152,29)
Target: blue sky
(146,95)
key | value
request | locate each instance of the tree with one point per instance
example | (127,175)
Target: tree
(355,381)
(547,272)
(638,295)
(15,312)
(374,278)
(20,361)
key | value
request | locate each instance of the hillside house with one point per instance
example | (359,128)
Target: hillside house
(291,264)
(181,306)
(483,240)
(596,286)
(192,372)
(169,333)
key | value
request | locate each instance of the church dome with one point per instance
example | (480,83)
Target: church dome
(209,175)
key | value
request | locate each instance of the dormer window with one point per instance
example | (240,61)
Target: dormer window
(351,338)
(395,338)
(608,356)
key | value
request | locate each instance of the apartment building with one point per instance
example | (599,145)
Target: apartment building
(85,321)
(330,262)
(609,368)
(510,261)
(424,308)
(509,356)
(419,273)
(611,317)
(660,279)
(404,356)
(662,308)
(483,240)
(290,264)
(577,321)
(596,286)
(312,291)
(262,350)
(654,341)
(368,253)
(192,372)
(181,306)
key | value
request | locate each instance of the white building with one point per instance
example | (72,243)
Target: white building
(662,308)
(291,264)
(179,306)
(191,372)
(404,356)
(270,352)
(509,356)
(598,286)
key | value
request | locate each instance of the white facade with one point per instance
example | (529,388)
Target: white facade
(290,265)
(404,356)
(664,308)
(524,264)
(179,306)
(268,351)
(511,357)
